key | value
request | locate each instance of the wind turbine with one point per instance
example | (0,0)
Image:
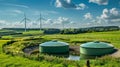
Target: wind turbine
(40,21)
(25,19)
(63,25)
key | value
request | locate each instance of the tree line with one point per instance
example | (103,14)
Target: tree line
(81,30)
(70,30)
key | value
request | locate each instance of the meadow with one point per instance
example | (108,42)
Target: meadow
(111,37)
(30,39)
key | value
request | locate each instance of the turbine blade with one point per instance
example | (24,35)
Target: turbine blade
(28,19)
(22,20)
(38,19)
(43,18)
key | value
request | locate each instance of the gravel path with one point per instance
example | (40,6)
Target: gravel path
(116,54)
(74,49)
(30,49)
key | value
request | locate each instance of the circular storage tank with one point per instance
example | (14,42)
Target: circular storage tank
(96,48)
(54,47)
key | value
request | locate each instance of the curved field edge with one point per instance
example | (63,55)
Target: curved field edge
(15,61)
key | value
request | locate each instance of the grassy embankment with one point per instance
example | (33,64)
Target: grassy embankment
(15,61)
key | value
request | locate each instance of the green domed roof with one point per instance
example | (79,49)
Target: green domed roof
(54,43)
(96,44)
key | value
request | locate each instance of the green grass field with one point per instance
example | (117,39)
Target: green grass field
(112,37)
(15,61)
(33,32)
(7,60)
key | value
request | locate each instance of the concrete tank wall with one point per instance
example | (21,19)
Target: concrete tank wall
(54,49)
(96,51)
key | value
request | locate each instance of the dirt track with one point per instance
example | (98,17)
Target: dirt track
(116,54)
(73,49)
(30,49)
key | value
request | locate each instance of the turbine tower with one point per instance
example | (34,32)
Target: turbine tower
(25,19)
(40,21)
(63,26)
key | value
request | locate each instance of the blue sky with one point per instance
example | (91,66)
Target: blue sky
(73,13)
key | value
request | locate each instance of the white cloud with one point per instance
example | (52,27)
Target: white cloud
(44,12)
(88,16)
(53,23)
(11,12)
(81,6)
(17,11)
(100,21)
(105,12)
(115,20)
(52,12)
(113,13)
(16,5)
(65,4)
(58,3)
(48,21)
(49,12)
(28,24)
(110,16)
(68,1)
(59,20)
(4,23)
(62,20)
(17,24)
(99,2)
(69,4)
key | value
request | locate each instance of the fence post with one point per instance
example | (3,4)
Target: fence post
(88,63)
